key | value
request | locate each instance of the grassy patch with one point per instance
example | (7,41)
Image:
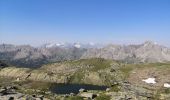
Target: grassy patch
(43,86)
(77,77)
(115,88)
(167,91)
(96,63)
(74,98)
(126,70)
(164,91)
(5,81)
(103,97)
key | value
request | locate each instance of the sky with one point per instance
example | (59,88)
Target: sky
(37,22)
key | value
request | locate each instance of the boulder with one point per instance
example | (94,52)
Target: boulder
(11,98)
(112,70)
(108,89)
(88,95)
(82,90)
(72,94)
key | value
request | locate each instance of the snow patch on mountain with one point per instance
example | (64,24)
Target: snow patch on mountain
(166,85)
(150,81)
(50,45)
(77,45)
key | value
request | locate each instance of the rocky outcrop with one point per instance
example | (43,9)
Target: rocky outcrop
(87,71)
(35,75)
(88,95)
(10,93)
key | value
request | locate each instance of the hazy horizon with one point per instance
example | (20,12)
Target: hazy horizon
(37,22)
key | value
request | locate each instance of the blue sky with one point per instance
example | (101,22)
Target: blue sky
(103,21)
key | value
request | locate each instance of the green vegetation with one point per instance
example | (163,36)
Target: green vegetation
(5,81)
(42,86)
(167,91)
(39,85)
(164,91)
(103,97)
(98,64)
(126,70)
(89,66)
(115,88)
(77,77)
(95,63)
(74,98)
(161,92)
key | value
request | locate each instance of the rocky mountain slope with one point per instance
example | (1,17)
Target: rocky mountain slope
(146,52)
(29,56)
(79,71)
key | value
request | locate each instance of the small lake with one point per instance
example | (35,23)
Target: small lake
(74,88)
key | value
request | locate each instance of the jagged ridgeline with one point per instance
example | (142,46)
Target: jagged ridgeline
(28,56)
(33,57)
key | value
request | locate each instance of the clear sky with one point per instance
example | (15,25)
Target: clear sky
(119,21)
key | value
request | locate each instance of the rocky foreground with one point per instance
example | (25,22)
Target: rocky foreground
(147,81)
(118,91)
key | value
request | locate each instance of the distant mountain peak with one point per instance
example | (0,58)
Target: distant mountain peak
(147,43)
(77,45)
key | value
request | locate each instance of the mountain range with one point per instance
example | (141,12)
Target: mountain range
(33,57)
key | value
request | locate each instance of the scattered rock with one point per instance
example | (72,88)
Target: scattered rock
(18,79)
(88,95)
(72,94)
(66,96)
(11,98)
(112,70)
(114,84)
(82,90)
(108,89)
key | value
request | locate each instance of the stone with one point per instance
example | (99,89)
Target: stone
(112,70)
(18,79)
(34,95)
(40,96)
(114,84)
(88,95)
(82,90)
(48,92)
(11,98)
(66,96)
(72,94)
(1,90)
(108,89)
